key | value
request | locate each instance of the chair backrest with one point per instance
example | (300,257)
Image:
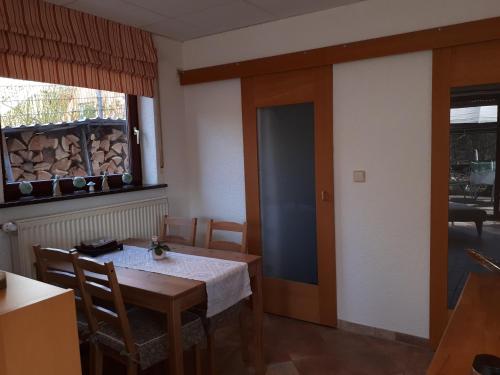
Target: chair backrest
(50,269)
(101,287)
(226,226)
(168,233)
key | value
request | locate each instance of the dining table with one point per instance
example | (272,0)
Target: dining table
(172,295)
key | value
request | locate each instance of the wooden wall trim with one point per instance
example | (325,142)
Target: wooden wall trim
(440,37)
(251,166)
(438,306)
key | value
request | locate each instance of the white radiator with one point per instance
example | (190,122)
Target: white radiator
(139,219)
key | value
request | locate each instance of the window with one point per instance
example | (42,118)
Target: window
(474,115)
(50,130)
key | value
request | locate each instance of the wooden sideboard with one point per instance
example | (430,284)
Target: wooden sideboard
(38,333)
(474,327)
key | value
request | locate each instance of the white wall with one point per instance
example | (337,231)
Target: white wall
(171,106)
(382,124)
(359,21)
(215,143)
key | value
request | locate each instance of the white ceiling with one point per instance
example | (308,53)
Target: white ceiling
(188,19)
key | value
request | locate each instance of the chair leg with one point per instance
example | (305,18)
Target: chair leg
(197,359)
(131,367)
(211,354)
(243,337)
(479,227)
(95,360)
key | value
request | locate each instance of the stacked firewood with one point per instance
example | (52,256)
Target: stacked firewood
(108,151)
(40,156)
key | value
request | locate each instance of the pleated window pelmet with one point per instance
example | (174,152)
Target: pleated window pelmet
(43,42)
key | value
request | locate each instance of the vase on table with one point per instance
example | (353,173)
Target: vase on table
(157,251)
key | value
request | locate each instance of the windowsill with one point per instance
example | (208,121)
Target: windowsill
(38,200)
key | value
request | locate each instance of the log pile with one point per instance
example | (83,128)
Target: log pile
(108,151)
(40,156)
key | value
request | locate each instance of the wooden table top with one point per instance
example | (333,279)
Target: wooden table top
(474,327)
(170,286)
(201,251)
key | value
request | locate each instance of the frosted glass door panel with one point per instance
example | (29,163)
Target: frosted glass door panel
(287,192)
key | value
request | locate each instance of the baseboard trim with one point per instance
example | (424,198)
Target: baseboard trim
(382,333)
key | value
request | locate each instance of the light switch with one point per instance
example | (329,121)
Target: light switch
(359,176)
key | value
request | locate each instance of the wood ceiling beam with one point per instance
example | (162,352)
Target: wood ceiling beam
(440,37)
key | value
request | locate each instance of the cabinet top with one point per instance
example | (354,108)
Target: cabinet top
(474,327)
(22,291)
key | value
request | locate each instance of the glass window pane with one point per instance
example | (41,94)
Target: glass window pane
(474,115)
(108,146)
(287,192)
(61,130)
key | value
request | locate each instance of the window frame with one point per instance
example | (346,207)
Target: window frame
(43,188)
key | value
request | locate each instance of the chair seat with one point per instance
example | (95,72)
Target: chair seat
(217,321)
(150,335)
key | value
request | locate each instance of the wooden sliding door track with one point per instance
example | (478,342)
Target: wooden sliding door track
(440,37)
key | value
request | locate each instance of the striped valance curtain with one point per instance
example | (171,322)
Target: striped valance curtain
(43,42)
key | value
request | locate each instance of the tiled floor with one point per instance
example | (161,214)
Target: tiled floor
(293,347)
(298,348)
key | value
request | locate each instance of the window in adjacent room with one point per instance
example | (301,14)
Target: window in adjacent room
(474,195)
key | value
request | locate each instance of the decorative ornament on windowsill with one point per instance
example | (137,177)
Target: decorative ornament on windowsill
(26,189)
(79,183)
(91,186)
(158,249)
(105,184)
(56,187)
(127,180)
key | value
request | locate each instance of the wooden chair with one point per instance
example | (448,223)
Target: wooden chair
(137,338)
(178,222)
(214,323)
(48,261)
(226,226)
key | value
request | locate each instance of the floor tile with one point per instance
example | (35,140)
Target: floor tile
(293,347)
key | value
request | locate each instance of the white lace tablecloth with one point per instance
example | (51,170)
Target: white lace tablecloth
(227,282)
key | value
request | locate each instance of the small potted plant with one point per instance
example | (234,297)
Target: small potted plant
(158,250)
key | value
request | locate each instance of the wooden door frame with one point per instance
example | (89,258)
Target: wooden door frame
(319,82)
(459,66)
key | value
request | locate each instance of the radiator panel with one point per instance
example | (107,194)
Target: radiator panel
(139,219)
